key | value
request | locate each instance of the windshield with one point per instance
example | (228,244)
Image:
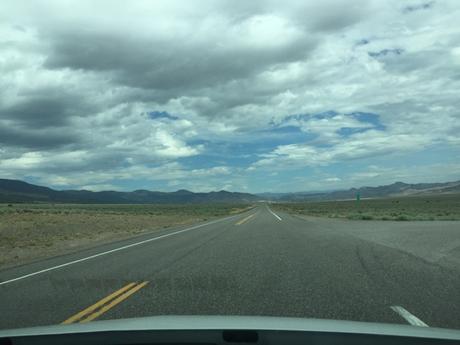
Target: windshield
(258,158)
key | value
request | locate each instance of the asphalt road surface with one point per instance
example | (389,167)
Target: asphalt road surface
(257,263)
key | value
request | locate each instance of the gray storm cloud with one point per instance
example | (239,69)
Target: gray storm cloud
(79,78)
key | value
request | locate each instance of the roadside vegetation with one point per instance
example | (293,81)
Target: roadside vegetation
(440,207)
(31,231)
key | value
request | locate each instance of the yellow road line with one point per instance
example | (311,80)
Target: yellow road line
(245,219)
(114,303)
(99,304)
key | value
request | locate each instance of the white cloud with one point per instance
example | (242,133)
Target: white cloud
(76,86)
(360,145)
(332,179)
(101,187)
(26,161)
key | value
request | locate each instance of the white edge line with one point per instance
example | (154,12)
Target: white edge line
(273,213)
(113,250)
(412,319)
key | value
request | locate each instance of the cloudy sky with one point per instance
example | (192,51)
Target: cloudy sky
(238,95)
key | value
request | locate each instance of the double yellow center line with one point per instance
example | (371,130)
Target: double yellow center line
(244,220)
(106,303)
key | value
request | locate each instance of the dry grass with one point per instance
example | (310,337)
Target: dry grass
(441,207)
(32,231)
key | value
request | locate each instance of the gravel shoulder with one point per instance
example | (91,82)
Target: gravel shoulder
(436,242)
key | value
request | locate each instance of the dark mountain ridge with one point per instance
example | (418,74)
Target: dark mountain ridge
(15,191)
(19,191)
(396,189)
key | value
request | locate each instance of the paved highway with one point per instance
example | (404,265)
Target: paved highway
(258,263)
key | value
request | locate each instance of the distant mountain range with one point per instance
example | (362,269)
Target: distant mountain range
(396,189)
(14,191)
(19,191)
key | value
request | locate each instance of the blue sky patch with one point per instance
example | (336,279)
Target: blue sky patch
(371,118)
(154,115)
(347,131)
(246,149)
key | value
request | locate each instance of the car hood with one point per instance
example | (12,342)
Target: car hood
(212,322)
